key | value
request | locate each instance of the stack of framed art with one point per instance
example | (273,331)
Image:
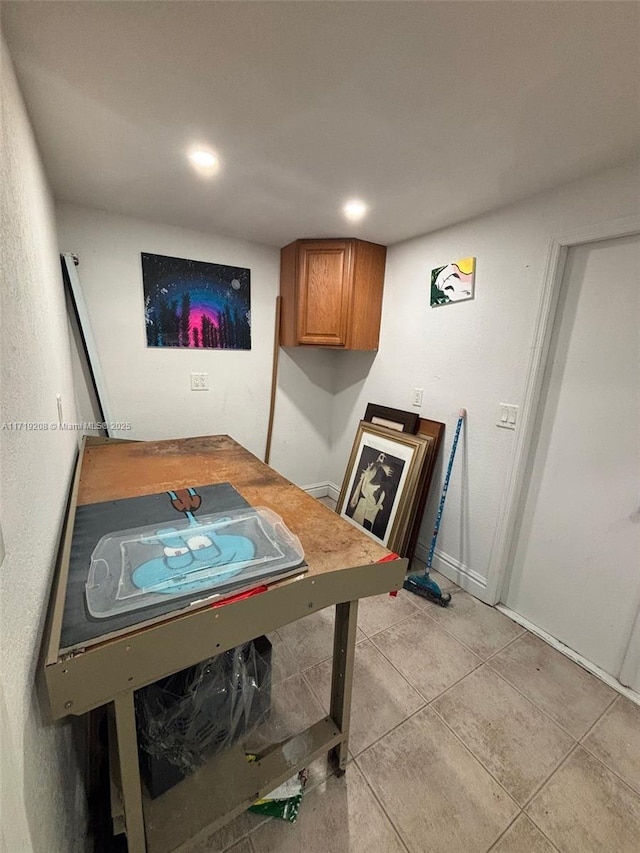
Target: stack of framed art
(388,475)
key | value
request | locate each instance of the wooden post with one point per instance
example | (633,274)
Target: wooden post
(274,377)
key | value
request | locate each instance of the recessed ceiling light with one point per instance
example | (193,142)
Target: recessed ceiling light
(204,161)
(354,210)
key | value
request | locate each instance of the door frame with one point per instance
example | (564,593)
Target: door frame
(629,674)
(516,485)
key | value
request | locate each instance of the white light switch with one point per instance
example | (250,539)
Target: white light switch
(199,381)
(507,415)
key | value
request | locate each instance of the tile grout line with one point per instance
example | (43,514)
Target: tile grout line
(313,692)
(301,670)
(353,755)
(541,831)
(539,787)
(557,770)
(380,804)
(542,710)
(391,663)
(599,717)
(475,758)
(422,609)
(428,702)
(404,678)
(497,651)
(475,669)
(455,683)
(397,726)
(417,608)
(535,705)
(504,832)
(526,803)
(394,625)
(546,778)
(470,650)
(355,759)
(424,705)
(611,770)
(594,756)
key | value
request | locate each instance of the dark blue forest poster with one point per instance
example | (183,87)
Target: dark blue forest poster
(196,305)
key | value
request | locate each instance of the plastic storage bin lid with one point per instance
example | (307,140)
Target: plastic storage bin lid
(132,569)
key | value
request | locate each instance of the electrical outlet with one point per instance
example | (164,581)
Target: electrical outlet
(416,399)
(507,415)
(199,381)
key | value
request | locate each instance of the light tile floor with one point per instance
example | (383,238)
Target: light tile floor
(469,735)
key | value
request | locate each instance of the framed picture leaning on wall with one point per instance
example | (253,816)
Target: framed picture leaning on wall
(392,418)
(380,485)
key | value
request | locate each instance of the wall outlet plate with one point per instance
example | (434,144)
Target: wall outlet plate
(199,381)
(416,397)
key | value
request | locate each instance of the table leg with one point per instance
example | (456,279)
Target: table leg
(344,648)
(125,725)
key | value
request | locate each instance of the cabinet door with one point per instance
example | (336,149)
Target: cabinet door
(324,276)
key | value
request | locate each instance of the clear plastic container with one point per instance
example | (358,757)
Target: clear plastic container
(191,559)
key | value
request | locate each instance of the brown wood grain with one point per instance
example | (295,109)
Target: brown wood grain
(332,293)
(324,291)
(114,471)
(289,309)
(366,306)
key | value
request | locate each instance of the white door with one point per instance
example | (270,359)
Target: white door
(576,563)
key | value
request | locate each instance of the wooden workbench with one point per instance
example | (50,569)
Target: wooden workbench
(342,566)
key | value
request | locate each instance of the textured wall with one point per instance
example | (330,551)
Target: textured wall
(45,802)
(471,354)
(150,387)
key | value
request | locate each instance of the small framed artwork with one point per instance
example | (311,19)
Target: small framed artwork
(454,282)
(392,418)
(381,482)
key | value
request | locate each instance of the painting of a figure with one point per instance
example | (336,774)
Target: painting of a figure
(381,482)
(453,282)
(374,490)
(196,305)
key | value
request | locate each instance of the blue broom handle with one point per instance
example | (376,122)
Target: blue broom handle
(445,488)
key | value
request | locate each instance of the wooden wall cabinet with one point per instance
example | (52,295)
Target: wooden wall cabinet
(331,293)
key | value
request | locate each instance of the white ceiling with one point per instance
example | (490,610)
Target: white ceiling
(432,112)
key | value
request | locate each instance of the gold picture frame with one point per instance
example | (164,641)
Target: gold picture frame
(381,483)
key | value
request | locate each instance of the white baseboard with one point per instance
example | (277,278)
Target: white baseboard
(323,490)
(567,652)
(455,571)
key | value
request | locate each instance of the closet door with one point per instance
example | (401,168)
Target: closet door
(576,566)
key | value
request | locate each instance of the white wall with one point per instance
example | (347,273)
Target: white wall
(42,807)
(150,387)
(472,354)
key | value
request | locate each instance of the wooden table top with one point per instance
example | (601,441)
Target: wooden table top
(128,469)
